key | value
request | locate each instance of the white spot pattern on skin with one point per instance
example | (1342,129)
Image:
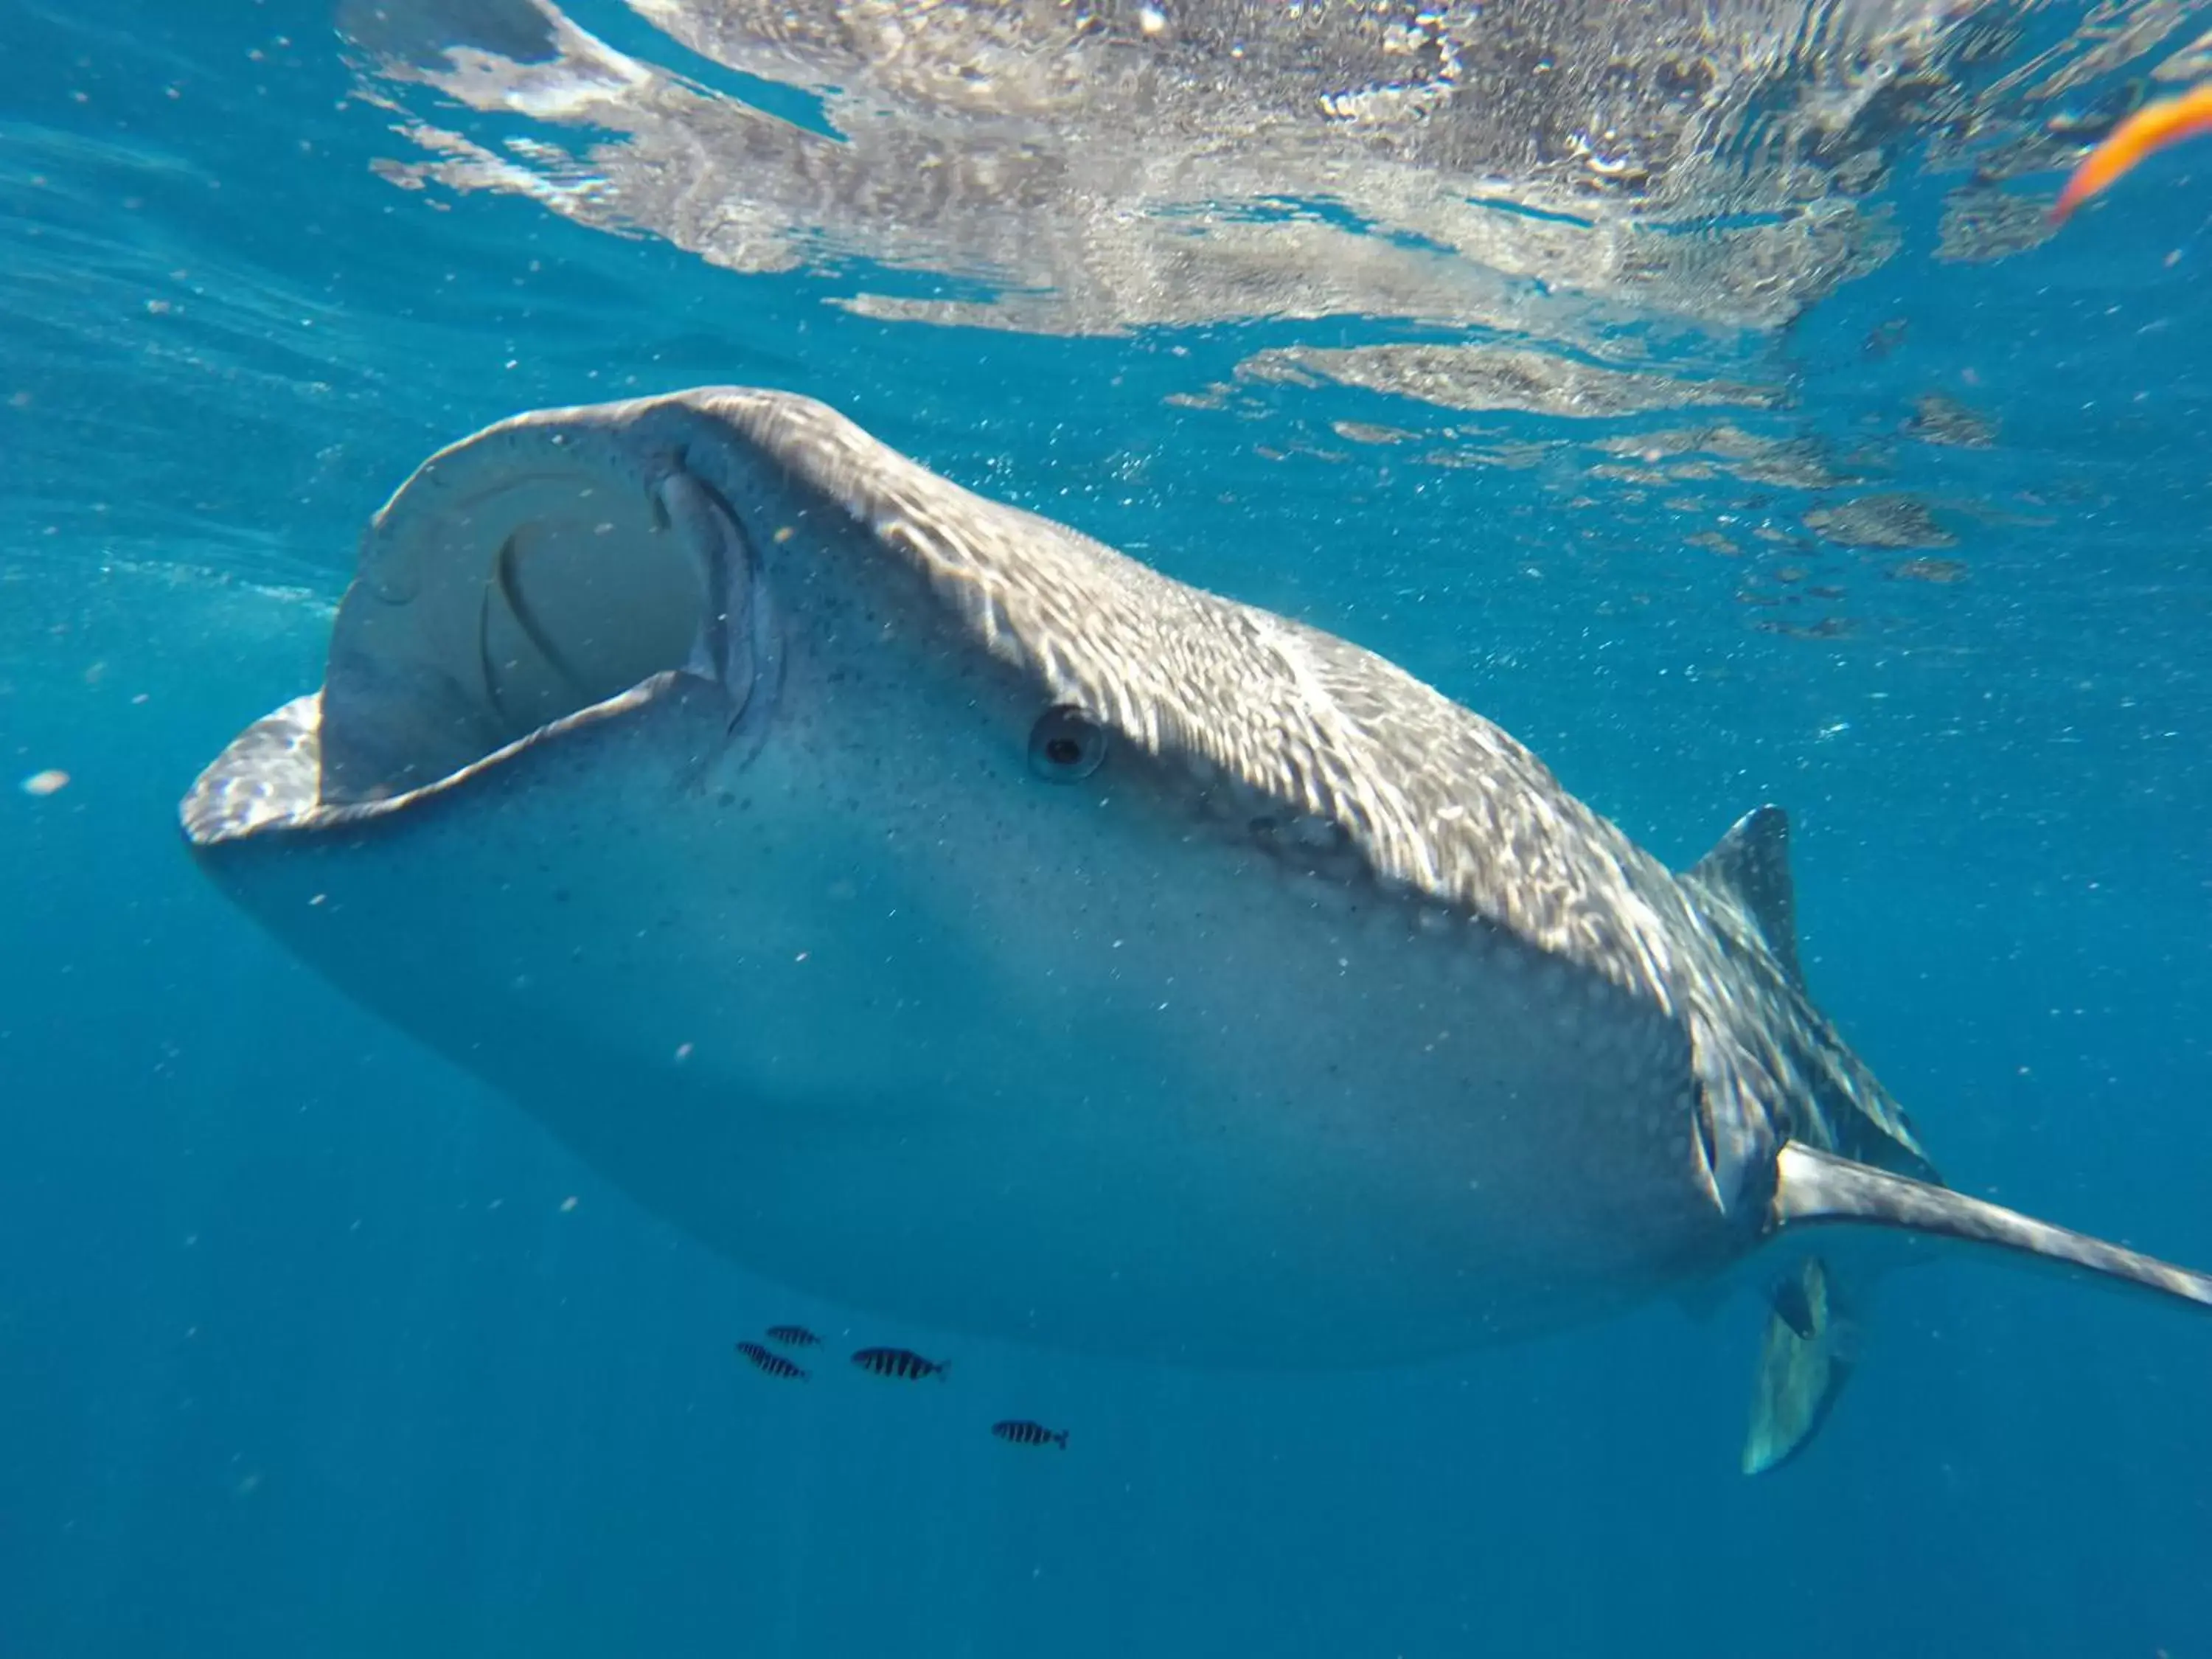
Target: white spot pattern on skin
(1446,812)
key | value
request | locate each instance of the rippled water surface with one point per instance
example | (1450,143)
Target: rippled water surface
(1699,389)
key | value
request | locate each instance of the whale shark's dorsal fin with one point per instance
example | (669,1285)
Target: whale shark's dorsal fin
(1750,864)
(1812,1186)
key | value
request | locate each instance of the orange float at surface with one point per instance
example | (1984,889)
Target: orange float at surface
(2146,132)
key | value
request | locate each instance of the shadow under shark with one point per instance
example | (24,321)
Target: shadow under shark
(930,907)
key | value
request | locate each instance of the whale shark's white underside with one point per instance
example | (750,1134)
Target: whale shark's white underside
(934,908)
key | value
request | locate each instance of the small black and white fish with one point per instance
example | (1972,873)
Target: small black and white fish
(1024,1433)
(773,1363)
(896,1362)
(793,1336)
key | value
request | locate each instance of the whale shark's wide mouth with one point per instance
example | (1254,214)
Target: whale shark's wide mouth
(490,612)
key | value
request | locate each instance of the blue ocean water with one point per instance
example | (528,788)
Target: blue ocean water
(309,1344)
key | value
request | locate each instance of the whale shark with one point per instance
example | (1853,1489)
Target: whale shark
(929,907)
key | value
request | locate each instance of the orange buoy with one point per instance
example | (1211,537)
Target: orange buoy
(2146,132)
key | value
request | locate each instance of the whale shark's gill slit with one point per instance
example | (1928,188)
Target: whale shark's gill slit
(1701,1123)
(739,643)
(506,583)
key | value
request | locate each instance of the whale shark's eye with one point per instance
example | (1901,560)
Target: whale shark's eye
(1065,744)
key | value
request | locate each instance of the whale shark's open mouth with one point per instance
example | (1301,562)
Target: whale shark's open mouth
(490,612)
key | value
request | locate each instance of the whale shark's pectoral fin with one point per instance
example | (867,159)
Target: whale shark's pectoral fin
(1812,1338)
(1812,1186)
(1811,1345)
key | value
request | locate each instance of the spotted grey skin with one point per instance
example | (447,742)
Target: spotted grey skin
(928,905)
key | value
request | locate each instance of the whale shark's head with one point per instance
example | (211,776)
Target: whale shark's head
(829,603)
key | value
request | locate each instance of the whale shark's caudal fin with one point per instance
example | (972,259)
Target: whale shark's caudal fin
(1812,1186)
